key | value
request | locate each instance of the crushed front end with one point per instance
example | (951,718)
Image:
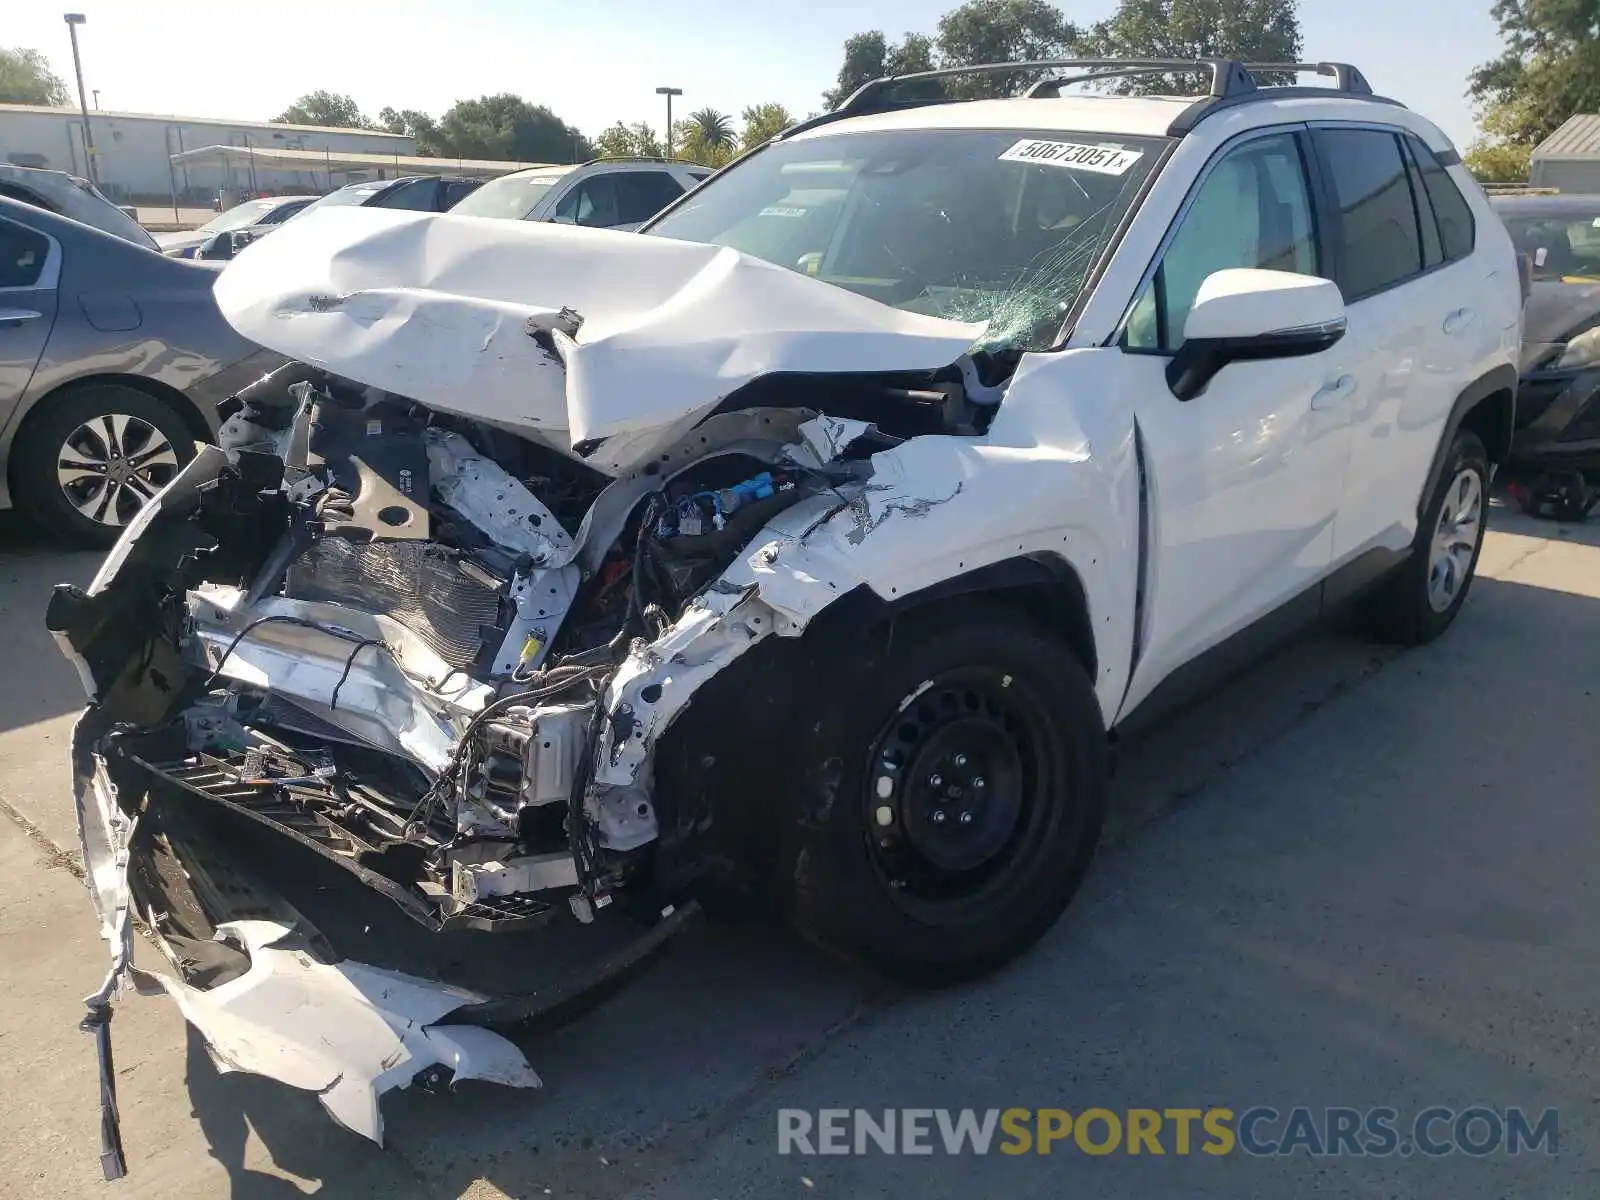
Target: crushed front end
(433,658)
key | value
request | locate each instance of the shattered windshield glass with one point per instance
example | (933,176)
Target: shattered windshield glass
(1000,226)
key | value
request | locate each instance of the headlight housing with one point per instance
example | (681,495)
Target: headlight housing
(1581,351)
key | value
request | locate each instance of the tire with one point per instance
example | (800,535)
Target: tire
(129,443)
(1422,598)
(1004,709)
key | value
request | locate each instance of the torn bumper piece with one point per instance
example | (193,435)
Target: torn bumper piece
(260,982)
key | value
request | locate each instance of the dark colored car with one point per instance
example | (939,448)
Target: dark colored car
(1555,456)
(113,358)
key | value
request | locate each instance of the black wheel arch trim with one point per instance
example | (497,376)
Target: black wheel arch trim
(1502,380)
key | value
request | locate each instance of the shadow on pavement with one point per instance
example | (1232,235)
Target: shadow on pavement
(41,683)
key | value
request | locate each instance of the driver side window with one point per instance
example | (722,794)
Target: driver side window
(1252,210)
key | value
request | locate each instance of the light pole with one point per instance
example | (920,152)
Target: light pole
(669,93)
(96,92)
(73,20)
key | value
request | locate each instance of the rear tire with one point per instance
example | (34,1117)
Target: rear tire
(93,457)
(947,797)
(1422,598)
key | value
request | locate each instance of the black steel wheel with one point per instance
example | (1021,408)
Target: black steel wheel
(967,794)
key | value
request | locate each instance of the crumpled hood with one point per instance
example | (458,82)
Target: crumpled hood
(457,313)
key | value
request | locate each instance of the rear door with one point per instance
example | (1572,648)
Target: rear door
(30,268)
(1409,326)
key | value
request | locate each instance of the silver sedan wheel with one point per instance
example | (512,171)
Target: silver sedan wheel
(111,465)
(1455,539)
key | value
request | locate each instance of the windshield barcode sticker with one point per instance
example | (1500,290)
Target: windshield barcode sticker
(1103,160)
(783,210)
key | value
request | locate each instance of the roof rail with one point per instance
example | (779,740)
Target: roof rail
(1231,82)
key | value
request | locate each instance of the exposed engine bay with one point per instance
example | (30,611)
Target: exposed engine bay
(437,654)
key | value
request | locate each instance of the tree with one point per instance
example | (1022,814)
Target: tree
(505,128)
(26,78)
(1549,70)
(324,108)
(1503,153)
(627,141)
(869,56)
(414,124)
(1248,30)
(763,122)
(994,31)
(713,129)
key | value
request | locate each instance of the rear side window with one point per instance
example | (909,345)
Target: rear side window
(1382,240)
(1457,231)
(642,194)
(420,195)
(592,203)
(22,255)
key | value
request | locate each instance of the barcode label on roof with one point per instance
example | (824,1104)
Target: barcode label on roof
(1075,156)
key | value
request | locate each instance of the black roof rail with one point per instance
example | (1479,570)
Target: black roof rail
(1231,82)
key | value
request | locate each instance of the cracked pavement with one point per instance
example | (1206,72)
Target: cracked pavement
(1353,877)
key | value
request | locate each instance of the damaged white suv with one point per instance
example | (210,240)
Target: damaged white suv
(808,544)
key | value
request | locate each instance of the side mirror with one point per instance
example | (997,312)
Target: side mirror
(224,246)
(1243,314)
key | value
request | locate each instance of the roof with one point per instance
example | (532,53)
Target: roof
(1577,140)
(172,118)
(348,160)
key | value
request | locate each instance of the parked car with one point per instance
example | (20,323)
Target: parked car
(256,216)
(1554,468)
(112,360)
(58,192)
(419,193)
(811,550)
(618,193)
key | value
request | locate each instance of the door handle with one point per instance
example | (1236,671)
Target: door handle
(1459,321)
(16,316)
(1334,393)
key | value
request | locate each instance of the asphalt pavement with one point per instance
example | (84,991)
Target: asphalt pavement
(1352,879)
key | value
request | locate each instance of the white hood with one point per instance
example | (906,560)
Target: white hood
(439,309)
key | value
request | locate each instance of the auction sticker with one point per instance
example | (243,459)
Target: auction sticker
(1075,156)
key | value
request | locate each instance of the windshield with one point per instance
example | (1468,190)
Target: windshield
(238,216)
(1563,245)
(1000,226)
(510,196)
(355,193)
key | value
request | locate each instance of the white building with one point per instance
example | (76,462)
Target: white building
(132,151)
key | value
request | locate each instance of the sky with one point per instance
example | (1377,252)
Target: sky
(595,62)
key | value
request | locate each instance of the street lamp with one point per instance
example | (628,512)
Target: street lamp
(73,20)
(669,93)
(96,92)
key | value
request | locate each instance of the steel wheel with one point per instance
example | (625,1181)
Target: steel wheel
(111,465)
(1455,539)
(951,791)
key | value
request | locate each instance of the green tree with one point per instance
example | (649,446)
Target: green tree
(1549,70)
(762,123)
(507,128)
(628,141)
(995,31)
(415,124)
(323,107)
(26,78)
(1503,153)
(870,55)
(713,129)
(1248,30)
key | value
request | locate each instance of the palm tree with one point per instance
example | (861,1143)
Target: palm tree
(713,130)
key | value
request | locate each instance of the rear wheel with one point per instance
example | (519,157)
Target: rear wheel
(966,804)
(1423,597)
(94,457)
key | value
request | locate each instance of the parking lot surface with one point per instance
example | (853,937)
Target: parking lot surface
(1354,878)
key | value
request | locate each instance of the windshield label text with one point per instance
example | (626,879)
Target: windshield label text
(1075,156)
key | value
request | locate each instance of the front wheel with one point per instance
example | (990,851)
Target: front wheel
(966,781)
(1423,597)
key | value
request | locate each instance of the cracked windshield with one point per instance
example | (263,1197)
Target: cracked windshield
(995,226)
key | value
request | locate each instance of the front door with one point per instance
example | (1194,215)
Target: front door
(1244,480)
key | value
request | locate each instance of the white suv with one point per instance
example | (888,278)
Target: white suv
(809,542)
(608,193)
